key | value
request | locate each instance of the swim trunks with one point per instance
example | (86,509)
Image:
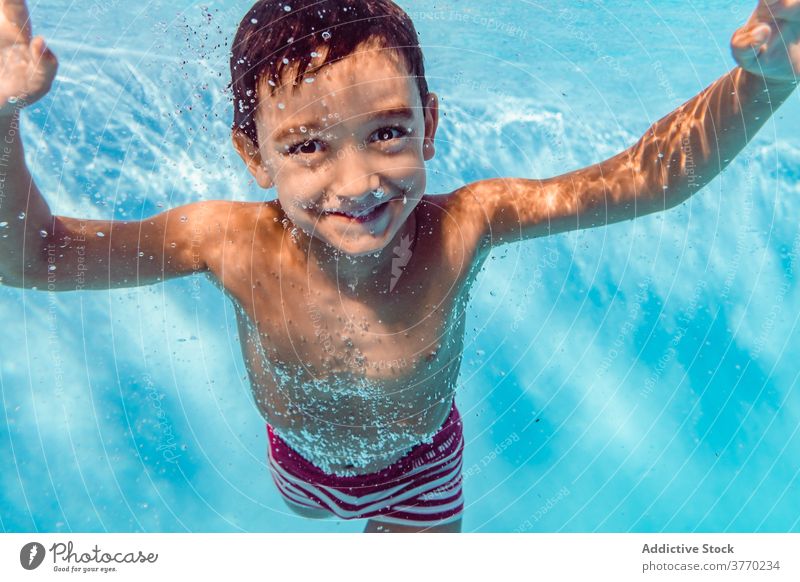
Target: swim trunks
(423,488)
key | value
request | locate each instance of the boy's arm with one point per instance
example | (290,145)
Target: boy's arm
(58,253)
(677,156)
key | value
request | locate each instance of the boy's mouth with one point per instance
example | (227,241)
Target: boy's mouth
(362,216)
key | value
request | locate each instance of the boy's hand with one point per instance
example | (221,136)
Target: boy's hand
(769,43)
(27,66)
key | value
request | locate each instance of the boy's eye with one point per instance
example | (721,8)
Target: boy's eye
(389,133)
(311,146)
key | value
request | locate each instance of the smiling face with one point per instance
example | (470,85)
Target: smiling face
(346,149)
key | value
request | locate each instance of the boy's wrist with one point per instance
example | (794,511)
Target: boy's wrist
(11,111)
(9,127)
(777,89)
(774,83)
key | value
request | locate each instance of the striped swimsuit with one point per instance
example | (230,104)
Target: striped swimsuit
(422,489)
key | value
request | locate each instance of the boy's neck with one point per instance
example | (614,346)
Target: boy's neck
(354,272)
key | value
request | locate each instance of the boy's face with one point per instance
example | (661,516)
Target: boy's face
(354,141)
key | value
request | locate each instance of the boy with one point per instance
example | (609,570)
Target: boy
(351,287)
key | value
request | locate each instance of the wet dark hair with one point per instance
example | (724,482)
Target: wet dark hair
(276,38)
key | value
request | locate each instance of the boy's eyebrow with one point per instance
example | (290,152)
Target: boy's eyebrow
(400,112)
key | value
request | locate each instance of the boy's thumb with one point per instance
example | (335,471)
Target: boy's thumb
(43,55)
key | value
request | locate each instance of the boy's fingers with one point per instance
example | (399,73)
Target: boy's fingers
(751,37)
(16,12)
(749,42)
(759,35)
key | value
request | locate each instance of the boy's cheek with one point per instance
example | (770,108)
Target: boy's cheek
(297,194)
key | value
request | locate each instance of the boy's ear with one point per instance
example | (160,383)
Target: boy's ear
(249,153)
(431,108)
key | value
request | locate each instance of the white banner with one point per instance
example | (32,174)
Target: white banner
(348,557)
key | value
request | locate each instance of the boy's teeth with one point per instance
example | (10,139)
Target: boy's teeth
(360,214)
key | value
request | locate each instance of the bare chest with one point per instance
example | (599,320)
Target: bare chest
(368,354)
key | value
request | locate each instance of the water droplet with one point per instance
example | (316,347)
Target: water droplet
(141,254)
(281,106)
(51,267)
(326,35)
(43,233)
(3,224)
(254,20)
(309,80)
(303,129)
(21,215)
(101,234)
(287,8)
(314,54)
(173,245)
(183,218)
(285,61)
(12,100)
(405,199)
(379,193)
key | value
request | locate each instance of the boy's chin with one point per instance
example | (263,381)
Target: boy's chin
(362,247)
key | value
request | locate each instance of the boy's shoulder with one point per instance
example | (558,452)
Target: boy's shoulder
(239,217)
(458,221)
(225,223)
(462,205)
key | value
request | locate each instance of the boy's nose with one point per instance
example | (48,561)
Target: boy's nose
(354,179)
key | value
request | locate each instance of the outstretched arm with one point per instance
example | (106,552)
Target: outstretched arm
(675,158)
(39,250)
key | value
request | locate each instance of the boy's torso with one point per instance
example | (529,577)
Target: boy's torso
(352,379)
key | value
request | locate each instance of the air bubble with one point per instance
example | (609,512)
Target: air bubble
(281,106)
(285,61)
(21,215)
(3,224)
(287,8)
(43,233)
(326,35)
(183,218)
(101,234)
(379,193)
(309,80)
(254,20)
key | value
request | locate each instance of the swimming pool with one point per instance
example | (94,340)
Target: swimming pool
(630,378)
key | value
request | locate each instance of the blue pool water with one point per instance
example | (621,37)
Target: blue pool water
(638,377)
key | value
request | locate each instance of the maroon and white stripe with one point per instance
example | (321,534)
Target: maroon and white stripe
(422,489)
